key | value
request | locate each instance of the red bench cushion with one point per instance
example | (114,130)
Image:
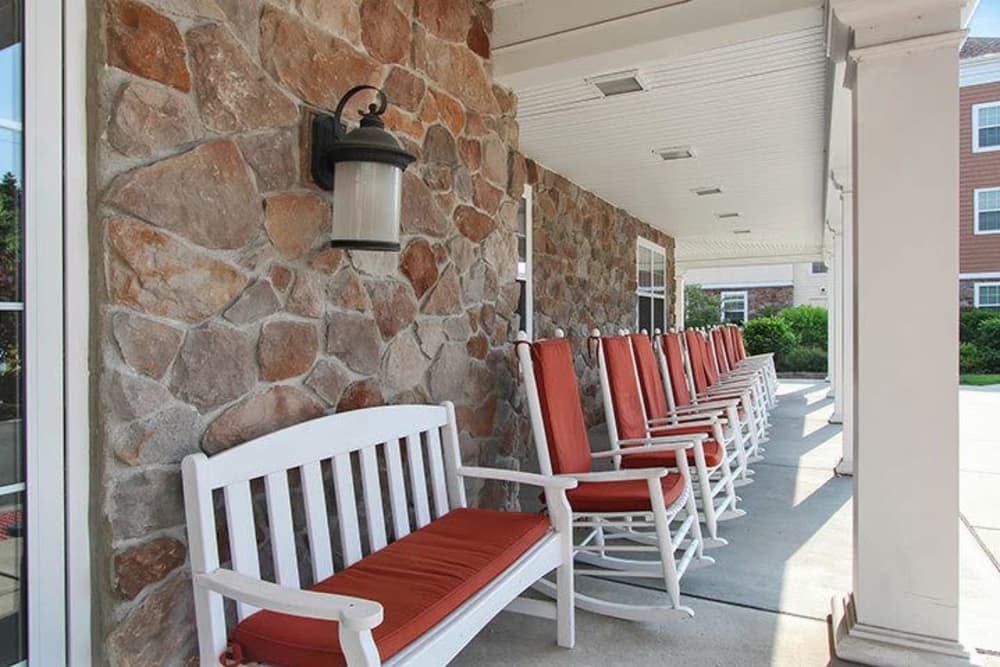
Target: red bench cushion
(713,457)
(629,496)
(419,580)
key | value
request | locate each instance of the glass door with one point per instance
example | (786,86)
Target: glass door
(13,620)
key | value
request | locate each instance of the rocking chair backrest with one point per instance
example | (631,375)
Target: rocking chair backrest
(727,338)
(740,346)
(626,401)
(695,345)
(559,401)
(671,346)
(721,360)
(649,378)
(708,356)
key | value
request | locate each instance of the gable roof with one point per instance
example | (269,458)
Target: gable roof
(976,47)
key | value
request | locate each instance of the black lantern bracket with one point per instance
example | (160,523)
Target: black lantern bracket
(369,142)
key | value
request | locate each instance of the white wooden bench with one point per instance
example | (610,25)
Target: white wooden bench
(408,460)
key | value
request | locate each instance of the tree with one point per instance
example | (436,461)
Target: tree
(701,309)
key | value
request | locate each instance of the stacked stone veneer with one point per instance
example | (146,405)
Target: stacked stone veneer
(585,270)
(220,312)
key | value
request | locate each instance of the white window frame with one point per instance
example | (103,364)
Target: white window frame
(525,274)
(744,294)
(650,292)
(975,215)
(976,148)
(978,301)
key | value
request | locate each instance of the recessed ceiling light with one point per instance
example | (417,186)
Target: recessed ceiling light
(675,153)
(617,83)
(741,231)
(732,215)
(710,190)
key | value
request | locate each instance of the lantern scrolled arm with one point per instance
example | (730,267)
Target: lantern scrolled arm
(364,168)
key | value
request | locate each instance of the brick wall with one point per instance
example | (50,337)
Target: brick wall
(978,253)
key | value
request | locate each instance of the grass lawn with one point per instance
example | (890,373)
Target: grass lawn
(979,380)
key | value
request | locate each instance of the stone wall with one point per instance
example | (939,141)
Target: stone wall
(220,310)
(584,269)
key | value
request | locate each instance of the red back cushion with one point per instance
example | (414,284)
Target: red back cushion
(739,343)
(649,378)
(720,350)
(697,352)
(559,396)
(675,368)
(711,372)
(727,338)
(625,398)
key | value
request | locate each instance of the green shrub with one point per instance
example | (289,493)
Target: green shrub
(968,358)
(808,323)
(770,310)
(970,320)
(988,345)
(804,360)
(701,309)
(769,334)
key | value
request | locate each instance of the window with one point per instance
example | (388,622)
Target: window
(986,127)
(526,304)
(818,267)
(651,286)
(987,205)
(734,307)
(988,295)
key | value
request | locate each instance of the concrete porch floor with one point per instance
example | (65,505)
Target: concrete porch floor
(766,601)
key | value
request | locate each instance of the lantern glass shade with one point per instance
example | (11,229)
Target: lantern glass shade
(366,205)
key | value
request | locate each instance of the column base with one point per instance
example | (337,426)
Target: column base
(836,418)
(830,393)
(845,468)
(873,645)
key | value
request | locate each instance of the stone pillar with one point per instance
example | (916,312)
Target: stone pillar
(904,608)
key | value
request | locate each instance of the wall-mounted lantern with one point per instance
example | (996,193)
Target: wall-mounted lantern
(364,168)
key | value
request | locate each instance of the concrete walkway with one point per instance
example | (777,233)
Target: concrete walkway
(767,599)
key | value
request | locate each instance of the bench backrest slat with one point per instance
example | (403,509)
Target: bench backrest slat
(373,499)
(418,480)
(437,473)
(397,490)
(347,508)
(279,521)
(242,536)
(317,523)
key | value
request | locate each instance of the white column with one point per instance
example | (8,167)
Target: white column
(679,301)
(846,397)
(904,609)
(835,337)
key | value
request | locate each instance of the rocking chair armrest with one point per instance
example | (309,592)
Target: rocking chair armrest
(684,418)
(618,475)
(650,449)
(702,422)
(531,478)
(355,614)
(714,405)
(677,442)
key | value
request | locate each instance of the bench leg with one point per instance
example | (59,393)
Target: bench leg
(359,648)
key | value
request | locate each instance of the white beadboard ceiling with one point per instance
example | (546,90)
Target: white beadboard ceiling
(754,112)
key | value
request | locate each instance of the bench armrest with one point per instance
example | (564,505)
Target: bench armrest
(501,475)
(356,614)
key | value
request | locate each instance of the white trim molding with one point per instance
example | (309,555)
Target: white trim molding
(747,285)
(992,275)
(977,299)
(976,211)
(976,148)
(980,71)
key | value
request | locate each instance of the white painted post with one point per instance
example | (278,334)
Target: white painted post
(679,303)
(904,609)
(846,362)
(835,331)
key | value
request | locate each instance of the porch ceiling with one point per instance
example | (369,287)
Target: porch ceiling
(747,91)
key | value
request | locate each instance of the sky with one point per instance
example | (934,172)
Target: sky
(986,23)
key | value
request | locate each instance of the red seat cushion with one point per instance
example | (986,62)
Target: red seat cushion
(419,580)
(628,496)
(713,457)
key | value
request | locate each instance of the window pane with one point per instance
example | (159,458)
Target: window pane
(522,308)
(989,221)
(659,307)
(989,116)
(989,200)
(819,267)
(645,314)
(989,295)
(522,217)
(659,273)
(989,137)
(645,268)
